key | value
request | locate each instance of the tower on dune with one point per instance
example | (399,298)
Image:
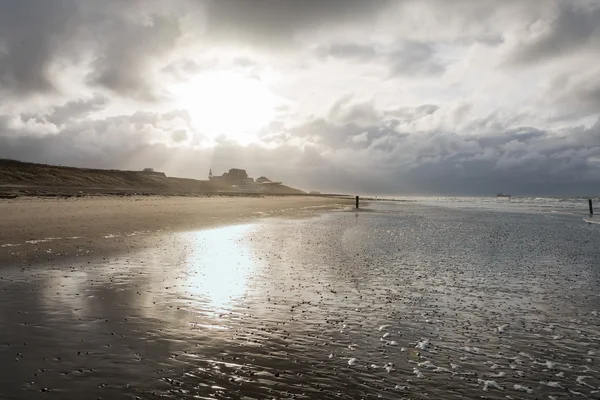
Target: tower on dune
(210,174)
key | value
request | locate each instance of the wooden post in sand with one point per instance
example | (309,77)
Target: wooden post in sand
(357,201)
(590,203)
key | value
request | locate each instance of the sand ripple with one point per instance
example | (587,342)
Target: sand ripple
(412,302)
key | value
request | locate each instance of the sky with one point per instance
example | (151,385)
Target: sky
(389,97)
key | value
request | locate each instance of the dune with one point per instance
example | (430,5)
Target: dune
(19,178)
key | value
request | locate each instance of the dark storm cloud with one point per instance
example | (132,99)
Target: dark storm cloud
(521,135)
(349,125)
(125,45)
(348,51)
(127,49)
(77,109)
(577,94)
(122,38)
(32,34)
(575,25)
(340,136)
(590,94)
(273,22)
(414,58)
(122,142)
(523,160)
(404,58)
(100,143)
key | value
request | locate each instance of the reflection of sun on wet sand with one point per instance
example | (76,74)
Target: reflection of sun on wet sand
(218,265)
(44,229)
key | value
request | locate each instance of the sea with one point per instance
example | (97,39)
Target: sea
(417,298)
(573,205)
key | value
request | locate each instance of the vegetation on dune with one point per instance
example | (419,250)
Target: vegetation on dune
(21,173)
(18,173)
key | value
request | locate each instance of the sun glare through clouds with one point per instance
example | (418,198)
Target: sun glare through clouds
(227,104)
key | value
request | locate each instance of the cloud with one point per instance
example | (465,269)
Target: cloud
(343,111)
(415,58)
(361,138)
(577,93)
(124,64)
(98,143)
(572,27)
(412,113)
(524,160)
(348,51)
(335,157)
(77,109)
(276,23)
(468,96)
(33,34)
(403,58)
(122,40)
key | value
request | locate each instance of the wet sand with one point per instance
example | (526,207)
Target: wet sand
(400,302)
(41,230)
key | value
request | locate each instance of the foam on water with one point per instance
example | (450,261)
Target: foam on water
(472,350)
(418,373)
(581,381)
(522,388)
(487,385)
(576,205)
(552,384)
(37,241)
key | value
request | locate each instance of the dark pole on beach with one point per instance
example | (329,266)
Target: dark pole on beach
(589,201)
(357,201)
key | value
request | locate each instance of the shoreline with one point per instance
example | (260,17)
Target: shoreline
(46,230)
(14,191)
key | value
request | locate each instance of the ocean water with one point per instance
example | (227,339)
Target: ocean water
(397,300)
(569,205)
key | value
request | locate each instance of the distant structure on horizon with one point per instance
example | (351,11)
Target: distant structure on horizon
(235,176)
(151,171)
(239,178)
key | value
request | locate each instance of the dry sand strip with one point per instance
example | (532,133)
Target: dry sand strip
(30,227)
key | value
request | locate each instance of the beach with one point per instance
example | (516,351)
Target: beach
(396,300)
(68,227)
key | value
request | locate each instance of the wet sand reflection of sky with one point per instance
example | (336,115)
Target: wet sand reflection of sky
(203,271)
(399,301)
(218,266)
